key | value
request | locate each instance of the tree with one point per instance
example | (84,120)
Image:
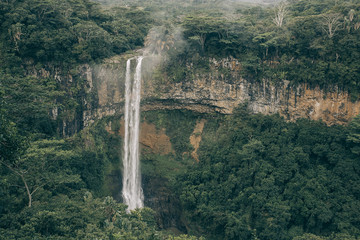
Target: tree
(43,164)
(331,23)
(200,28)
(28,102)
(280,13)
(308,236)
(354,134)
(282,179)
(12,144)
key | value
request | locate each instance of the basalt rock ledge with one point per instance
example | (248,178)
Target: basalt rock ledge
(213,91)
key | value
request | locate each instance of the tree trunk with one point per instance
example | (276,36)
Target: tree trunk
(27,190)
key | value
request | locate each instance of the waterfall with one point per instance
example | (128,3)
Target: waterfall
(132,192)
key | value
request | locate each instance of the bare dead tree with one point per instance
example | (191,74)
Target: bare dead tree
(280,13)
(15,31)
(348,20)
(351,15)
(357,26)
(30,190)
(331,23)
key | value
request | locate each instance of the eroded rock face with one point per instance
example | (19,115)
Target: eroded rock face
(210,92)
(157,194)
(155,140)
(216,92)
(196,138)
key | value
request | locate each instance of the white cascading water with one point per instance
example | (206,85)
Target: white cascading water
(132,192)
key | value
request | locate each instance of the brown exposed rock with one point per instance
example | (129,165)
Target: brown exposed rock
(155,139)
(331,107)
(195,138)
(102,93)
(216,92)
(151,138)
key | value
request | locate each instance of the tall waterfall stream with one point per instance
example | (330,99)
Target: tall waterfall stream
(132,192)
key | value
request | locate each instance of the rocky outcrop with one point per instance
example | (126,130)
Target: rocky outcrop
(152,139)
(158,195)
(195,138)
(214,91)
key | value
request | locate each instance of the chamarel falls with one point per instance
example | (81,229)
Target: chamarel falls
(132,192)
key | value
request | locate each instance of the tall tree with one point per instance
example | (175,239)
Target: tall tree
(331,23)
(43,164)
(281,11)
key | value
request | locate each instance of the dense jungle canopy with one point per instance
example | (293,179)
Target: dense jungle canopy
(258,177)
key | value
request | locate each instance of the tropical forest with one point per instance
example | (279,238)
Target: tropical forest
(180,120)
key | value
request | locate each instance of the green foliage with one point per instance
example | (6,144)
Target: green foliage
(28,102)
(302,50)
(67,32)
(43,42)
(354,134)
(42,192)
(99,152)
(332,237)
(80,216)
(260,177)
(178,125)
(43,169)
(12,146)
(12,143)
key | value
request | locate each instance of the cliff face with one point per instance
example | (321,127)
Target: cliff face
(221,89)
(214,91)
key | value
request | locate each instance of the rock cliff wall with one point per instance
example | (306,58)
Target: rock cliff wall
(214,91)
(221,89)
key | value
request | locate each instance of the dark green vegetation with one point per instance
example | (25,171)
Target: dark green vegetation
(313,42)
(43,39)
(267,179)
(47,183)
(262,178)
(55,189)
(258,176)
(67,32)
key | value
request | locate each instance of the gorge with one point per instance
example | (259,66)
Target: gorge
(180,120)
